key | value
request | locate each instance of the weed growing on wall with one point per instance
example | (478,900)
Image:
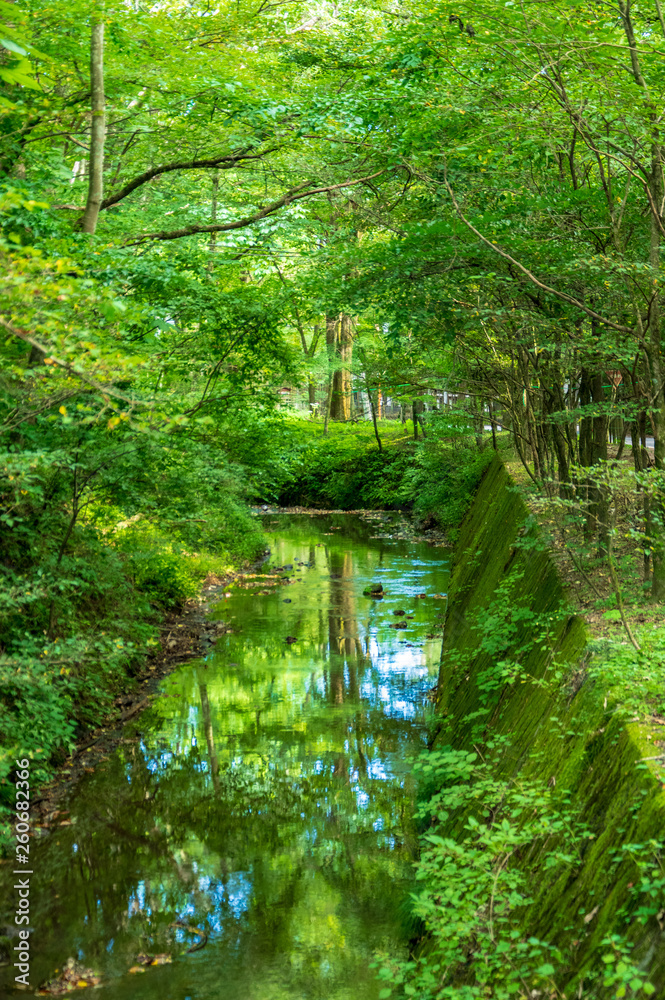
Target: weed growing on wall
(488,843)
(539,873)
(509,630)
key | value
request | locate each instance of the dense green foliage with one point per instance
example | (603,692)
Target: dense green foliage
(541,799)
(434,478)
(208,214)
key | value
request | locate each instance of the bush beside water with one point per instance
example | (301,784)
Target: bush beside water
(295,464)
(80,608)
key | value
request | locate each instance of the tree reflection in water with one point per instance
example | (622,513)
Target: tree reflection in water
(262,797)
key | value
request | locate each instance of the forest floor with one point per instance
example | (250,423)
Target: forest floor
(583,570)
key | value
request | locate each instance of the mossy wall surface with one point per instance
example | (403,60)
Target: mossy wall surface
(562,732)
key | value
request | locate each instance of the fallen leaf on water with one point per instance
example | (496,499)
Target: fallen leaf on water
(73,976)
(145,960)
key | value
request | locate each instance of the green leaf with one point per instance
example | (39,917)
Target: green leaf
(13,47)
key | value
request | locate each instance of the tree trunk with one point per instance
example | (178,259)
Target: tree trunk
(557,407)
(493,424)
(340,404)
(654,346)
(371,402)
(98,127)
(212,245)
(640,458)
(657,374)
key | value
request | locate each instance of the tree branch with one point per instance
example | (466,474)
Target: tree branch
(97,386)
(294,194)
(218,162)
(539,284)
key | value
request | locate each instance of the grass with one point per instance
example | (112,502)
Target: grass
(434,478)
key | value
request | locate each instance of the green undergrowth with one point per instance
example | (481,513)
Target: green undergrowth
(81,604)
(543,863)
(434,478)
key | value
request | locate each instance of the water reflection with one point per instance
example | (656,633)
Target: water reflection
(265,796)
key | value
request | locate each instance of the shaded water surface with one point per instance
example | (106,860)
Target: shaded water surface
(265,795)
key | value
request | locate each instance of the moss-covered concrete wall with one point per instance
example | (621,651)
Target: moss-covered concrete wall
(562,728)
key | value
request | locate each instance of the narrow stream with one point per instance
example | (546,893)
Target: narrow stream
(265,796)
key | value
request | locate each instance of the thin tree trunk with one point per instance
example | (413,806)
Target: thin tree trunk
(376,429)
(371,406)
(98,127)
(657,374)
(212,245)
(640,461)
(341,398)
(331,350)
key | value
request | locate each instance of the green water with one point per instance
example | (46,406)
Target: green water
(265,796)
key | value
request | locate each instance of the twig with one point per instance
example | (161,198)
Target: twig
(105,390)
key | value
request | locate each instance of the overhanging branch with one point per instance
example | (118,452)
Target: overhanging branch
(539,284)
(306,190)
(70,369)
(217,162)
